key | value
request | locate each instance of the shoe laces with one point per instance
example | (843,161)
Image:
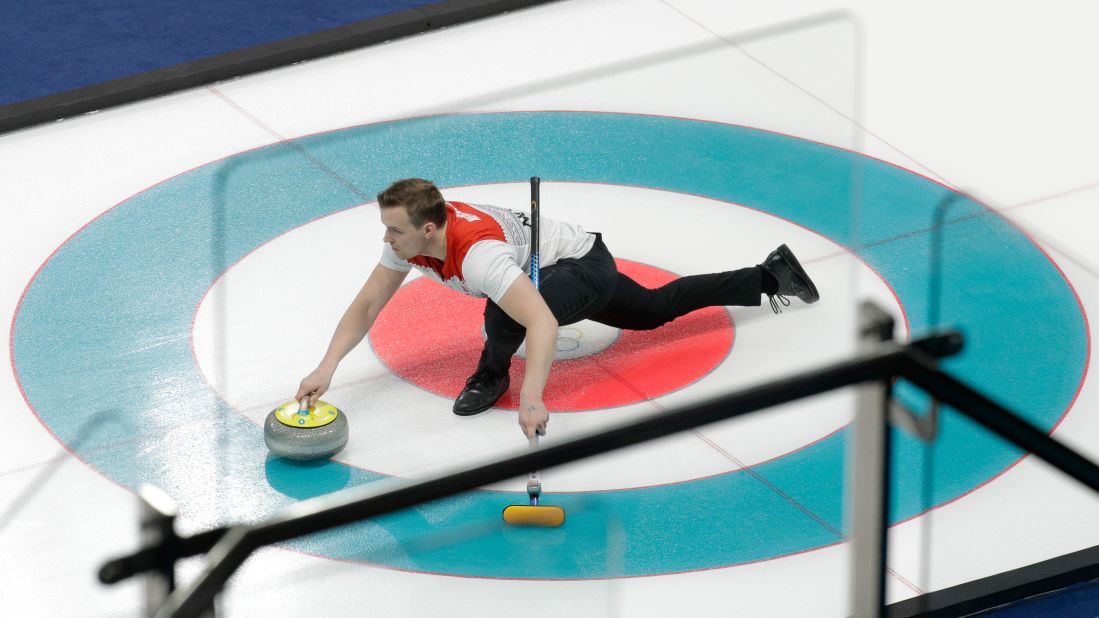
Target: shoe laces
(775,300)
(479,377)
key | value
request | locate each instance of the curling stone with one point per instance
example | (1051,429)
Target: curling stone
(296,432)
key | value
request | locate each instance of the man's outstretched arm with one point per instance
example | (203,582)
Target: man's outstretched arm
(525,305)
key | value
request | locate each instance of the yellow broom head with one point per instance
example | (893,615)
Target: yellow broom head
(534,516)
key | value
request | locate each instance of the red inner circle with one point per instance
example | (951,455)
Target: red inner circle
(431,336)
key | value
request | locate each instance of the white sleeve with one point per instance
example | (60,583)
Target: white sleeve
(391,261)
(490,268)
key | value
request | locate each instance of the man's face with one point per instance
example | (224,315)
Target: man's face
(406,239)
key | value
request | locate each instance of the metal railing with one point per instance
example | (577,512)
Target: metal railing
(875,367)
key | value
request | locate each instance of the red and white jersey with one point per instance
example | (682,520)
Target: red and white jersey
(487,248)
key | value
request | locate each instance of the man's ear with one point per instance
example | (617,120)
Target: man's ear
(430,228)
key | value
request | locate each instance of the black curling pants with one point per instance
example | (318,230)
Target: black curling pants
(591,288)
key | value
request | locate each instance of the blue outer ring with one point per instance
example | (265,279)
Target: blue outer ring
(108,317)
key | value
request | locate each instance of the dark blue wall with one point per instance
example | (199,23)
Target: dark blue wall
(50,46)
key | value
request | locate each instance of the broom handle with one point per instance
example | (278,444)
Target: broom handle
(535,199)
(535,276)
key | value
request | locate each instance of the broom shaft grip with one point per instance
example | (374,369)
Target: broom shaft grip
(535,239)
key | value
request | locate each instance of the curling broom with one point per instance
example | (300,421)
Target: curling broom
(534,514)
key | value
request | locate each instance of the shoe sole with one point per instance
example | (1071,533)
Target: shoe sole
(503,391)
(474,412)
(788,255)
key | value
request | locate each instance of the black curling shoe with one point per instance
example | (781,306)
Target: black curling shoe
(481,392)
(792,278)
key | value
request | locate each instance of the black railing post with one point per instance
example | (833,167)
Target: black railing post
(157,520)
(868,475)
